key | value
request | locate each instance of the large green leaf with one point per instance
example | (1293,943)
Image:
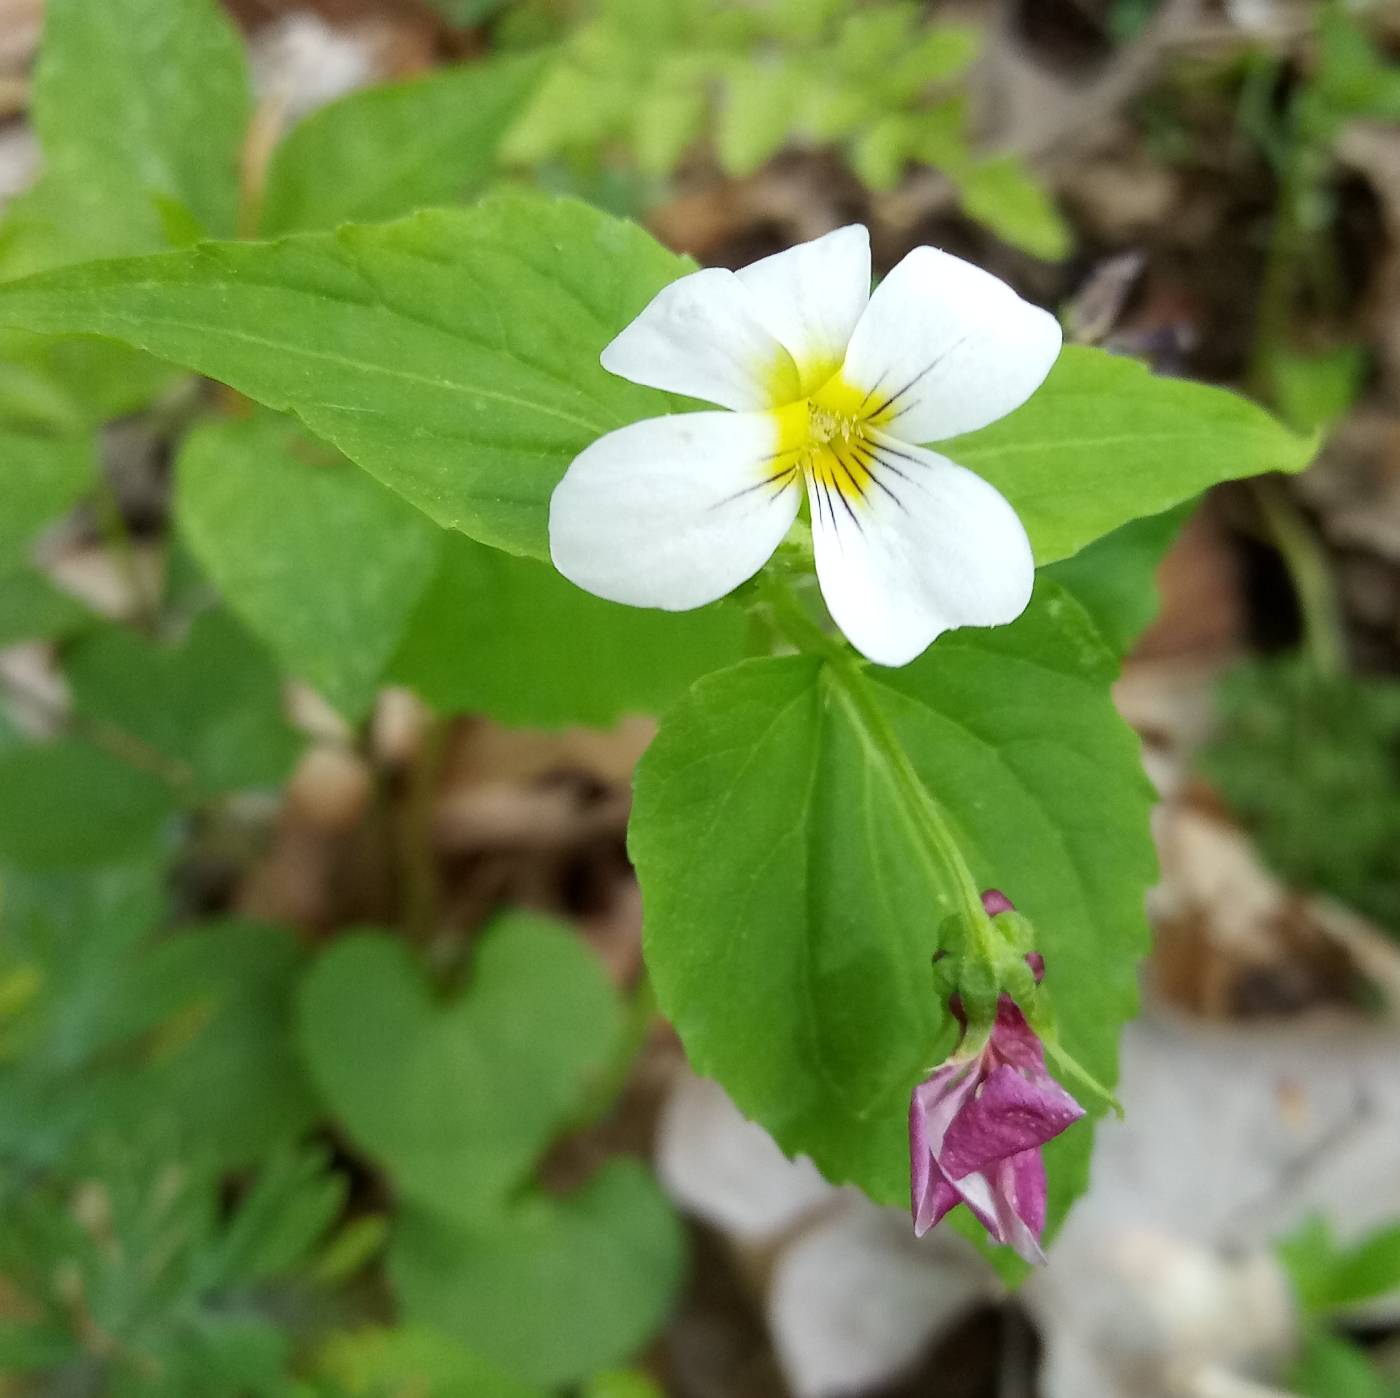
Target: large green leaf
(1115,578)
(457,1100)
(792,909)
(1104,442)
(510,636)
(141,107)
(40,477)
(388,150)
(552,1290)
(69,803)
(211,705)
(453,354)
(317,558)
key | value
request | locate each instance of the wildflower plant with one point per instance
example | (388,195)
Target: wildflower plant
(872,556)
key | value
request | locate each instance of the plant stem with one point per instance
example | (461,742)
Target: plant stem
(1297,544)
(849,675)
(1288,530)
(1280,281)
(420,881)
(639,1016)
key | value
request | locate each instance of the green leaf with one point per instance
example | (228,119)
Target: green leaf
(1002,195)
(68,804)
(291,1205)
(388,150)
(380,1363)
(882,150)
(211,705)
(174,72)
(554,1289)
(33,609)
(472,407)
(758,110)
(457,1100)
(1353,79)
(454,354)
(1115,578)
(318,559)
(791,905)
(1336,1368)
(1314,390)
(225,1064)
(40,478)
(1328,1275)
(668,118)
(509,636)
(75,383)
(1104,442)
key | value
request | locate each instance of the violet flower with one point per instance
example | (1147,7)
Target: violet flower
(977,1124)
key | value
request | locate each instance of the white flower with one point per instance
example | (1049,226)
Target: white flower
(829,387)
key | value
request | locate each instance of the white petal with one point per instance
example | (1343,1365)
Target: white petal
(672,512)
(931,547)
(811,297)
(945,348)
(703,336)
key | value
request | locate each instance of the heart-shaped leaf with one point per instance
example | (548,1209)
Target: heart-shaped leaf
(219,724)
(457,1099)
(319,559)
(552,1290)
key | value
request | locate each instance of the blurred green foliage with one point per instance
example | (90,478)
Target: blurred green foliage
(881,82)
(1330,1279)
(1349,79)
(1311,765)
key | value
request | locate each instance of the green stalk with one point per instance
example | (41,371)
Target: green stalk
(1303,557)
(848,674)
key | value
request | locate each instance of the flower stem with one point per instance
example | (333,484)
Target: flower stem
(848,674)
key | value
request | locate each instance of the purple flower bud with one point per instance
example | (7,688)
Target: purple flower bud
(976,1127)
(994,901)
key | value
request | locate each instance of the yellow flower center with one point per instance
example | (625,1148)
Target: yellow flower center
(825,436)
